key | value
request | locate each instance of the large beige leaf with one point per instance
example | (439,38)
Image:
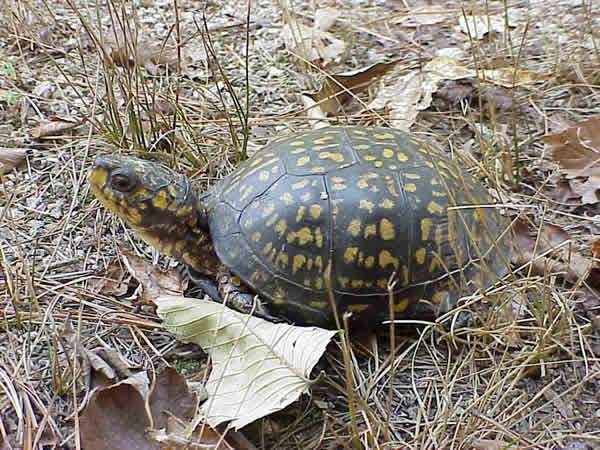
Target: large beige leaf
(258,367)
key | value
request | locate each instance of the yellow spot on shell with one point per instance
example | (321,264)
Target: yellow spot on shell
(386,258)
(402,157)
(337,157)
(401,305)
(426,225)
(268,210)
(378,164)
(317,169)
(263,175)
(412,176)
(384,136)
(303,235)
(370,230)
(303,160)
(435,264)
(318,238)
(296,151)
(366,204)
(435,208)
(300,185)
(350,255)
(282,260)
(410,187)
(298,262)
(354,227)
(280,227)
(271,220)
(256,236)
(319,305)
(369,157)
(300,213)
(286,198)
(343,281)
(420,256)
(267,248)
(296,143)
(315,211)
(387,152)
(318,283)
(357,308)
(386,203)
(319,263)
(386,230)
(439,297)
(382,283)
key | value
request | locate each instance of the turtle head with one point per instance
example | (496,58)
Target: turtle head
(158,204)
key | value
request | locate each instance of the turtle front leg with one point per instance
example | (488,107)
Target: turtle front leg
(240,297)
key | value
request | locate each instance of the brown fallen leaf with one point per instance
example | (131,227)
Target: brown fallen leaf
(561,257)
(116,417)
(153,281)
(55,127)
(114,280)
(11,158)
(337,90)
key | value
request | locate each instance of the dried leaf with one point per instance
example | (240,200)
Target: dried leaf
(153,281)
(311,44)
(258,367)
(11,158)
(56,127)
(325,18)
(114,280)
(339,89)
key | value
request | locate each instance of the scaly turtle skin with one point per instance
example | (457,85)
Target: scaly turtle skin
(355,212)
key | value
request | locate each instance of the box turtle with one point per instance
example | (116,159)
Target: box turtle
(340,216)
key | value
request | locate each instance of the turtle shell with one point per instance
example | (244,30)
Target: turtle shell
(343,216)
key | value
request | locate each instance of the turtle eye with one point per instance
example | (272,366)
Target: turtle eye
(122,183)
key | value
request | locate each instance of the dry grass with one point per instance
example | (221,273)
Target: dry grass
(526,375)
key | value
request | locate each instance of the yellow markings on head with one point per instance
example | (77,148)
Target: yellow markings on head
(159,201)
(268,210)
(386,203)
(271,220)
(354,227)
(435,208)
(337,157)
(298,262)
(386,258)
(420,255)
(387,152)
(350,254)
(300,185)
(97,178)
(256,236)
(300,213)
(386,230)
(318,238)
(426,225)
(303,160)
(356,308)
(303,235)
(370,230)
(366,204)
(383,136)
(402,157)
(267,248)
(343,281)
(280,227)
(282,260)
(401,305)
(286,198)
